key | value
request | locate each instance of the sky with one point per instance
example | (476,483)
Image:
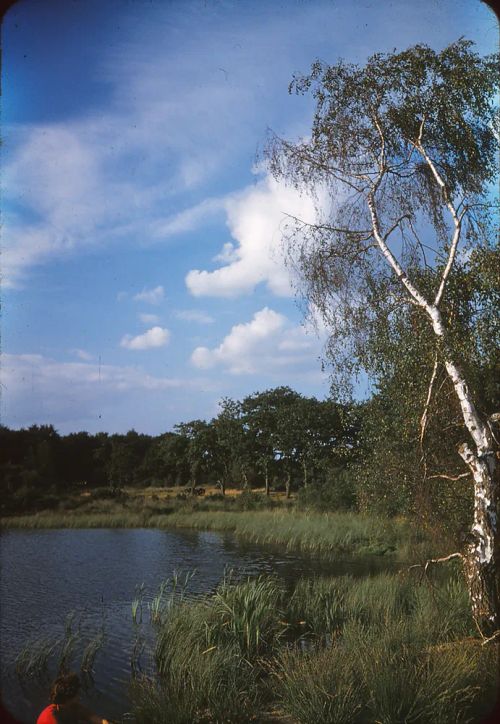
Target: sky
(142,270)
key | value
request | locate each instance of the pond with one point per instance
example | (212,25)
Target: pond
(86,581)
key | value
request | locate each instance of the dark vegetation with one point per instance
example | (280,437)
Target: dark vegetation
(276,439)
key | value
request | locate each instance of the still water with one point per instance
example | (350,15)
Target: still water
(93,575)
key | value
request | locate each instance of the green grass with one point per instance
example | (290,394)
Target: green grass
(318,534)
(389,648)
(383,649)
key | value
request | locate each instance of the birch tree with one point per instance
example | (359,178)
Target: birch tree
(402,159)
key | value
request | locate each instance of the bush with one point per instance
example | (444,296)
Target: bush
(109,494)
(336,493)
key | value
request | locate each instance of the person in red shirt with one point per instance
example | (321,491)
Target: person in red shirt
(65,707)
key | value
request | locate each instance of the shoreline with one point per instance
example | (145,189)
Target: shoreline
(315,533)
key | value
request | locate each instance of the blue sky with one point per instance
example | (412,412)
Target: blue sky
(142,274)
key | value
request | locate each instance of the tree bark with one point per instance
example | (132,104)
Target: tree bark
(266,478)
(287,484)
(482,556)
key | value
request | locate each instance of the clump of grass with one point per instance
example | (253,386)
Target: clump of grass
(208,651)
(317,606)
(365,678)
(34,658)
(90,652)
(316,686)
(248,615)
(68,643)
(202,672)
(404,647)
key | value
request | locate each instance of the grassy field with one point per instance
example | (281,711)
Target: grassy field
(251,516)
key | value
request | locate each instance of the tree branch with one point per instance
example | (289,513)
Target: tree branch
(457,220)
(426,565)
(423,419)
(389,256)
(395,226)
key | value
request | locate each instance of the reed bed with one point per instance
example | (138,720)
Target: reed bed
(388,649)
(318,534)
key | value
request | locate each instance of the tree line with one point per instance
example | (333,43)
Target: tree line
(275,438)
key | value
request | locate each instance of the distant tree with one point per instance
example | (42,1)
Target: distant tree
(173,450)
(120,464)
(259,414)
(403,152)
(200,449)
(230,451)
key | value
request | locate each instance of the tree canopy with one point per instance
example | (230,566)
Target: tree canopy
(378,134)
(401,156)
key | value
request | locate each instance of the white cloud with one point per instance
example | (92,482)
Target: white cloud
(36,371)
(228,254)
(189,219)
(268,343)
(192,315)
(151,296)
(256,218)
(149,318)
(81,354)
(73,395)
(154,337)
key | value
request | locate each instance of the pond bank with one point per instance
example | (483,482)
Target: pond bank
(319,534)
(386,648)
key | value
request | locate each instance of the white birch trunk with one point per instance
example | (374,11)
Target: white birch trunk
(482,556)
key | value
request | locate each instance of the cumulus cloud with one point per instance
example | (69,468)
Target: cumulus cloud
(149,318)
(154,337)
(192,315)
(268,343)
(256,218)
(151,296)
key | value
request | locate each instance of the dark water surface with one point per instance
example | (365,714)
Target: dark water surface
(46,575)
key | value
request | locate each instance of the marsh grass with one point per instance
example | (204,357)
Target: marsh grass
(34,658)
(90,653)
(387,648)
(318,534)
(50,655)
